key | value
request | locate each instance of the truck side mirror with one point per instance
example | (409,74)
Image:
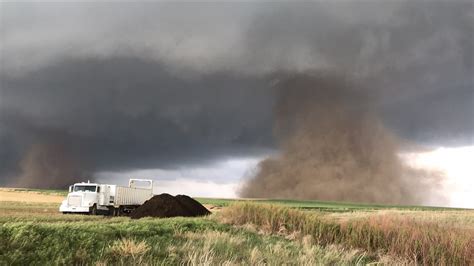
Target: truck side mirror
(70,188)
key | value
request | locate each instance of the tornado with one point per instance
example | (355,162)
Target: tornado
(334,147)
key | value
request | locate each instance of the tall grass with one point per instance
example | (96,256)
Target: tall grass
(36,234)
(425,243)
(175,241)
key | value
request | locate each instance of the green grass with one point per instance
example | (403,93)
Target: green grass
(37,212)
(173,241)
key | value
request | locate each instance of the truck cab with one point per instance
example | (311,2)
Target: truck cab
(82,198)
(94,198)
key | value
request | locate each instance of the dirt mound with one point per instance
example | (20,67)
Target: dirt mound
(165,205)
(192,205)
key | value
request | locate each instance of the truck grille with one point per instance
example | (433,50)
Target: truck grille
(74,201)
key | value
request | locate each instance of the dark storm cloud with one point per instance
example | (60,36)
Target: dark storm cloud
(444,117)
(124,113)
(143,85)
(414,59)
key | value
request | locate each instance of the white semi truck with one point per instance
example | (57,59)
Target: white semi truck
(94,198)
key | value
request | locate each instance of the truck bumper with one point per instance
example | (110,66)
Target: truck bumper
(63,208)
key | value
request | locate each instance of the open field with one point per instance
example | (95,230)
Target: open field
(32,196)
(38,234)
(242,232)
(326,206)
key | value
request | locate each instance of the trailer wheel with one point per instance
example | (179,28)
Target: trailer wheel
(93,210)
(121,211)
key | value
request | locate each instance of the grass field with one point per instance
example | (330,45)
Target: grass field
(59,192)
(323,205)
(263,232)
(37,234)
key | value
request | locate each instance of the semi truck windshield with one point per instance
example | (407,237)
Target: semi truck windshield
(85,188)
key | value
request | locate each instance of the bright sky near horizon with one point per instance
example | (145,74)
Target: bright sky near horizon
(221,179)
(458,166)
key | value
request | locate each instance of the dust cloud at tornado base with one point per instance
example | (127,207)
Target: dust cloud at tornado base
(334,147)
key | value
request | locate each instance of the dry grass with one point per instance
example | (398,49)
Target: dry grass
(224,248)
(409,239)
(448,218)
(10,194)
(128,250)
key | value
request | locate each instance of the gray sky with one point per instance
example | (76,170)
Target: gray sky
(121,86)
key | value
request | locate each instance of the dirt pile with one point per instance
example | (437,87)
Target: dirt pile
(165,205)
(195,208)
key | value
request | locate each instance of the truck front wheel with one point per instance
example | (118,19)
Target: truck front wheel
(93,210)
(113,211)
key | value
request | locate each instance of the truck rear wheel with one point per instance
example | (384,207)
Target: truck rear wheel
(121,211)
